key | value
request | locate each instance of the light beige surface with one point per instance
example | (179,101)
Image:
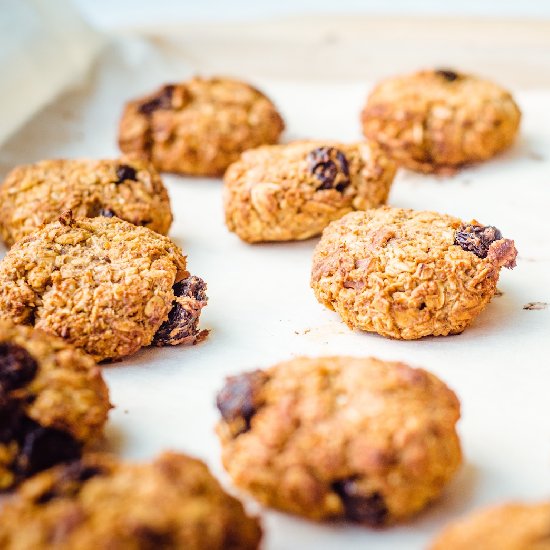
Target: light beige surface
(515,53)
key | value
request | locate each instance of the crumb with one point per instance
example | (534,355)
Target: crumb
(498,293)
(535,306)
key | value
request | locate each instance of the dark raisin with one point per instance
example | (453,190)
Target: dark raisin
(477,238)
(238,400)
(11,418)
(181,327)
(150,538)
(368,509)
(17,366)
(125,172)
(448,75)
(163,100)
(70,480)
(330,167)
(41,448)
(106,213)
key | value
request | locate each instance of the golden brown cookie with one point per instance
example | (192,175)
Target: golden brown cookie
(53,402)
(438,120)
(507,527)
(292,192)
(200,126)
(408,274)
(106,285)
(173,503)
(38,193)
(334,438)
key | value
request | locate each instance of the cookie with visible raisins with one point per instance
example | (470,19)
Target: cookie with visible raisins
(408,274)
(439,120)
(104,284)
(292,192)
(514,526)
(53,402)
(171,503)
(340,438)
(200,126)
(38,193)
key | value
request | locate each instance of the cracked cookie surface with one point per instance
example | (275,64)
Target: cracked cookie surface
(200,126)
(53,402)
(104,284)
(171,503)
(334,438)
(438,120)
(408,274)
(514,526)
(293,191)
(38,193)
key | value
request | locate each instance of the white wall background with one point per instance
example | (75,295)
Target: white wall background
(113,13)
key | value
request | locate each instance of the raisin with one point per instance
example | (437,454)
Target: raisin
(163,100)
(238,401)
(368,509)
(69,482)
(448,75)
(181,327)
(106,213)
(41,448)
(11,417)
(17,366)
(477,238)
(125,172)
(330,167)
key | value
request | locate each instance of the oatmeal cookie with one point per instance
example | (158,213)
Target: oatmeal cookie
(104,284)
(408,274)
(38,193)
(53,402)
(335,438)
(98,502)
(438,120)
(292,192)
(507,527)
(198,127)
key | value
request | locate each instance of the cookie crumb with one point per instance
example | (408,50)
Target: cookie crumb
(535,306)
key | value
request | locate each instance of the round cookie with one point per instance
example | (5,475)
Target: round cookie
(38,193)
(200,126)
(53,402)
(408,274)
(98,502)
(106,285)
(292,192)
(506,527)
(438,120)
(335,438)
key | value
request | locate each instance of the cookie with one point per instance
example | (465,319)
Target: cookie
(438,120)
(292,192)
(507,527)
(38,193)
(408,274)
(200,126)
(104,284)
(335,438)
(98,502)
(53,402)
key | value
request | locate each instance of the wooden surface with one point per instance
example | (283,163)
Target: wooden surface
(364,48)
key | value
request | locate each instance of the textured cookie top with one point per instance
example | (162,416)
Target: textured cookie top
(507,527)
(52,400)
(408,274)
(278,192)
(206,121)
(440,118)
(38,193)
(338,437)
(97,502)
(102,283)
